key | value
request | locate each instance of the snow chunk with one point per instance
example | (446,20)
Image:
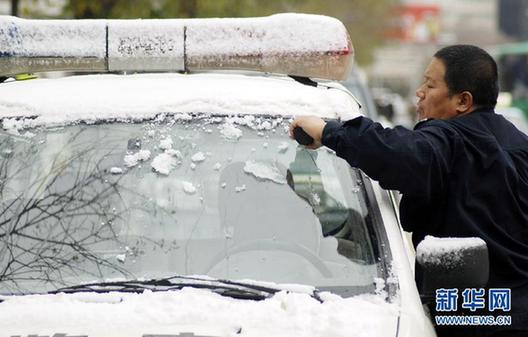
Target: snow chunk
(228,232)
(143,155)
(28,134)
(441,250)
(116,170)
(265,171)
(217,166)
(198,157)
(166,143)
(266,125)
(133,159)
(188,187)
(163,163)
(183,117)
(316,200)
(121,258)
(283,147)
(247,120)
(174,153)
(12,125)
(240,188)
(380,287)
(230,131)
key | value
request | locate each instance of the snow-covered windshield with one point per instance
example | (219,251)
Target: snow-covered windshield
(228,197)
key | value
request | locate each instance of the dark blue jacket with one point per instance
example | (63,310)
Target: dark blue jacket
(464,177)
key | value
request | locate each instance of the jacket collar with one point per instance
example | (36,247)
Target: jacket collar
(483,109)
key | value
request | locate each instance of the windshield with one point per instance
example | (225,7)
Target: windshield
(231,198)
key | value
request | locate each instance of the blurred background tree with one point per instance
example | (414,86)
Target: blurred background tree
(364,18)
(14,7)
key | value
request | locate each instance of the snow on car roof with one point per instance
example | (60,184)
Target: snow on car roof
(141,96)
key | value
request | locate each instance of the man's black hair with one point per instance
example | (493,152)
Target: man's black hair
(470,68)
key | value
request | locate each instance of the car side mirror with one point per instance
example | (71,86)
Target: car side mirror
(450,263)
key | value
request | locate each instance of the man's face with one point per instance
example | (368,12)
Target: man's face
(433,94)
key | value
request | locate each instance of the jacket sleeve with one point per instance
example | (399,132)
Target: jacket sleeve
(415,162)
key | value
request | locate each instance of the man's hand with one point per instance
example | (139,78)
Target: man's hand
(311,125)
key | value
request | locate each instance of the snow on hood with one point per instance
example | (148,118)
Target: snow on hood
(197,311)
(140,96)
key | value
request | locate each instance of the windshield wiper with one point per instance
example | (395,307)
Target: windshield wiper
(222,287)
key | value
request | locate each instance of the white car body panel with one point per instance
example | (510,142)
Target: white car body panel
(95,97)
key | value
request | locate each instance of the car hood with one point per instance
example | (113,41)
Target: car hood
(196,312)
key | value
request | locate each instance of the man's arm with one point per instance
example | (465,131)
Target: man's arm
(413,162)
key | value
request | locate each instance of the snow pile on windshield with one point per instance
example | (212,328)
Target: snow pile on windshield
(166,143)
(116,170)
(198,311)
(264,171)
(145,96)
(254,123)
(283,147)
(163,163)
(229,131)
(188,187)
(439,250)
(198,157)
(133,159)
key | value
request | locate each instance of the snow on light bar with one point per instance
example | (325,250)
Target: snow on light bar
(294,44)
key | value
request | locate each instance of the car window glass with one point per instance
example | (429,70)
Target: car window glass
(230,198)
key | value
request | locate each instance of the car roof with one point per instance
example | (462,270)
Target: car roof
(143,96)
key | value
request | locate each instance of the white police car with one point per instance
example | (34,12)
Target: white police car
(173,202)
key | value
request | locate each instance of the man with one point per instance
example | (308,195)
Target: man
(462,171)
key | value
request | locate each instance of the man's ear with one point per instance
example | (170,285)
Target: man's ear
(464,103)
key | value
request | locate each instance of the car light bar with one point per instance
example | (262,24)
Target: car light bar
(294,44)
